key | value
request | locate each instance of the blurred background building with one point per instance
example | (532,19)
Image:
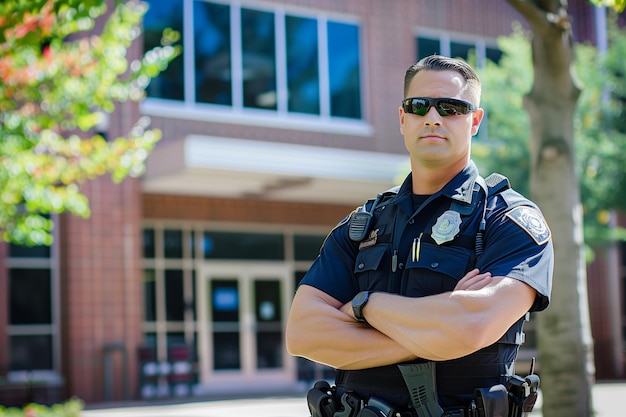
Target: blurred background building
(279,119)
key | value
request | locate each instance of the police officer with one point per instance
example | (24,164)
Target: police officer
(398,282)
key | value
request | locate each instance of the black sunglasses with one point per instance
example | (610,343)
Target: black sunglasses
(445,106)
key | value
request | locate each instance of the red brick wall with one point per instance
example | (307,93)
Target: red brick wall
(101,289)
(157,206)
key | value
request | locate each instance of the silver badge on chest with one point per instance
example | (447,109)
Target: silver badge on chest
(447,227)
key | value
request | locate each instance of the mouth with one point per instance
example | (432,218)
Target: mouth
(432,137)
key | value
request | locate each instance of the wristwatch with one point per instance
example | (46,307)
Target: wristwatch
(358,302)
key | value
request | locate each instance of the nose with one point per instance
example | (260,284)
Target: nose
(432,117)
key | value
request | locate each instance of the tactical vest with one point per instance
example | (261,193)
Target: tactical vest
(418,264)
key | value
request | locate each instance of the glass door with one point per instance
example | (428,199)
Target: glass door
(225,323)
(242,319)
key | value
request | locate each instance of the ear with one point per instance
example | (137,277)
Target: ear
(401,114)
(477,117)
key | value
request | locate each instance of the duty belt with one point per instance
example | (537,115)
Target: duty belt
(388,377)
(514,399)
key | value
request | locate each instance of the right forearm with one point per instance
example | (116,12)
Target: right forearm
(350,346)
(322,333)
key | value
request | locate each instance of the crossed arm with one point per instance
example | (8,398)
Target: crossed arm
(440,327)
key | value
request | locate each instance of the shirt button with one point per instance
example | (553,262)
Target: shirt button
(411,221)
(401,265)
(434,265)
(361,266)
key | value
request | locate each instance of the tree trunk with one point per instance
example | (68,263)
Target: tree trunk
(563,331)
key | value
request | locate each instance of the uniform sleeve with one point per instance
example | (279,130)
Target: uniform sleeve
(333,270)
(518,244)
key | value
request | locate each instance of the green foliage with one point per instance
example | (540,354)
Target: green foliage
(618,5)
(601,136)
(70,408)
(600,129)
(58,81)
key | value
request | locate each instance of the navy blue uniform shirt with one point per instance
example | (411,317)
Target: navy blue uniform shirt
(426,250)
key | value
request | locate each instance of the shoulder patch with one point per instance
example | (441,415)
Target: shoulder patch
(533,223)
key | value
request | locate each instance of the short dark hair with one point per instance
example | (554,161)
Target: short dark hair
(443,63)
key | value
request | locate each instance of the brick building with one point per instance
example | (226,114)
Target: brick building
(279,119)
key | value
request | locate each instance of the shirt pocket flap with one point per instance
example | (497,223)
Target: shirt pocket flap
(369,259)
(448,260)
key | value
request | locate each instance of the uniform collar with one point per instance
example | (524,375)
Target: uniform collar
(460,188)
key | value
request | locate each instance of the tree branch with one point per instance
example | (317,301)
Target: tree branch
(543,15)
(529,10)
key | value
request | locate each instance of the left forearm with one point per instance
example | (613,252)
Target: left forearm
(453,324)
(427,326)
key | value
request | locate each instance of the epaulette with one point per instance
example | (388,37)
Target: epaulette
(497,183)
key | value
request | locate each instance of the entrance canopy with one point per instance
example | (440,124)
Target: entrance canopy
(238,168)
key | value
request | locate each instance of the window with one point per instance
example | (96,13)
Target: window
(30,294)
(258,59)
(149,295)
(173,244)
(32,327)
(307,247)
(164,14)
(148,243)
(461,49)
(258,56)
(302,63)
(343,63)
(212,52)
(456,48)
(174,295)
(493,54)
(427,46)
(242,245)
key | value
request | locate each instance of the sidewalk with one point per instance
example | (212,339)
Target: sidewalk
(607,398)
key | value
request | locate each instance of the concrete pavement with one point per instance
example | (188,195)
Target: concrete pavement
(609,399)
(256,407)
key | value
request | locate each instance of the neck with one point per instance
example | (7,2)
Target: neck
(427,180)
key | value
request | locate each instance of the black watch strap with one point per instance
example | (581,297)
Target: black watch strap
(358,302)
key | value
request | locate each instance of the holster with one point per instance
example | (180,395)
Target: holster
(515,399)
(324,401)
(321,400)
(492,402)
(522,394)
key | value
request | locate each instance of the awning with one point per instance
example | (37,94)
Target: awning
(239,168)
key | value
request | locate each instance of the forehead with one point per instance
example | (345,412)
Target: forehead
(431,83)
